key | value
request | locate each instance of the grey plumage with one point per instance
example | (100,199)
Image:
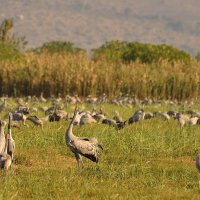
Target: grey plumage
(137,116)
(4,105)
(2,136)
(6,156)
(35,120)
(81,146)
(120,124)
(19,117)
(11,142)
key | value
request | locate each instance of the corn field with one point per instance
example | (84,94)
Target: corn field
(63,74)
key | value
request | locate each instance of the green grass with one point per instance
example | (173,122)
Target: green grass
(151,159)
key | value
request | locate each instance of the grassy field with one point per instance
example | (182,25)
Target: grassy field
(151,159)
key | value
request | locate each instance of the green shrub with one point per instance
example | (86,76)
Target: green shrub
(58,47)
(121,51)
(7,52)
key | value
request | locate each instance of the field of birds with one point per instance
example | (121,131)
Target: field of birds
(150,157)
(130,110)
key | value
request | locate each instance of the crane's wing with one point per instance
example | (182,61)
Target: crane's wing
(87,149)
(93,140)
(84,138)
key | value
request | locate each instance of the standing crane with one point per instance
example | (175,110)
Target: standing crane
(4,105)
(2,136)
(11,141)
(81,146)
(5,158)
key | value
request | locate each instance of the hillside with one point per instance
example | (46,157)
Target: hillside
(89,24)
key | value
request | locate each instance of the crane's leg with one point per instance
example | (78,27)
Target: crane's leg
(78,159)
(11,169)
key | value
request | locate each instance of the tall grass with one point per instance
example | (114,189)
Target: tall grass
(78,74)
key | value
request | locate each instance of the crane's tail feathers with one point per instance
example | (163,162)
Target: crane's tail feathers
(91,157)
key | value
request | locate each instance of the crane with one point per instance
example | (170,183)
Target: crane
(2,136)
(137,116)
(81,146)
(11,141)
(5,158)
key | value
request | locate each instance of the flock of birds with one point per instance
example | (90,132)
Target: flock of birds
(80,146)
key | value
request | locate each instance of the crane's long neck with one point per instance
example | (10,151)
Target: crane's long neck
(6,144)
(2,129)
(69,133)
(5,103)
(9,126)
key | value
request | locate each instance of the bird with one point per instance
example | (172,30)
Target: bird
(87,119)
(42,99)
(137,116)
(182,119)
(5,158)
(2,136)
(4,105)
(110,122)
(120,124)
(117,117)
(35,120)
(19,117)
(193,120)
(82,146)
(11,141)
(164,116)
(148,115)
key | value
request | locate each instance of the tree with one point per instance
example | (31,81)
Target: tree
(7,38)
(121,51)
(111,51)
(58,47)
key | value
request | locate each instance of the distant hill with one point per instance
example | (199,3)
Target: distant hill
(90,23)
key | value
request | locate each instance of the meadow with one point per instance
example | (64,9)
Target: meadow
(150,159)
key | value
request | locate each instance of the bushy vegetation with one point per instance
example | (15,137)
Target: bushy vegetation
(7,52)
(58,47)
(78,74)
(116,51)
